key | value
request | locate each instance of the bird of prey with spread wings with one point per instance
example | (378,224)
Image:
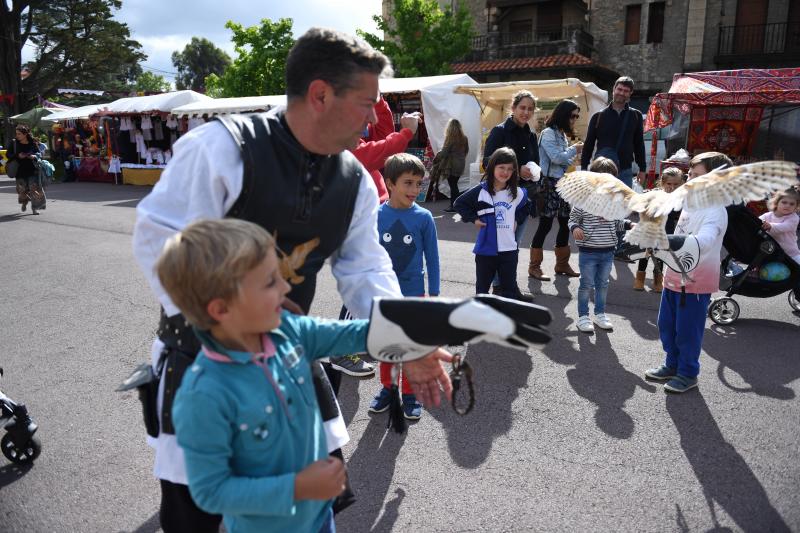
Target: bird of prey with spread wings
(606,196)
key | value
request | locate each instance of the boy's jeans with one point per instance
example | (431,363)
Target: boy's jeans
(595,268)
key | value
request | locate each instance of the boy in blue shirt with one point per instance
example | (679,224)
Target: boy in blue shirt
(408,233)
(246,414)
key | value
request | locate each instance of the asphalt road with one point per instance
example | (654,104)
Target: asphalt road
(569,438)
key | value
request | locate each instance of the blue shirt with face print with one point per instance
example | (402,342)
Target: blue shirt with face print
(408,235)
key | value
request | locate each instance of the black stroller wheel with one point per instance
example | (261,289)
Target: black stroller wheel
(20,455)
(723,311)
(794,302)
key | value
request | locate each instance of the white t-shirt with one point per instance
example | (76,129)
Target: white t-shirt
(504,211)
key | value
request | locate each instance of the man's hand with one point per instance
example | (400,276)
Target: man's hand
(321,480)
(411,121)
(641,178)
(427,375)
(578,234)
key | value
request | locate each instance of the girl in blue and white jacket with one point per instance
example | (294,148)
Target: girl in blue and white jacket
(496,206)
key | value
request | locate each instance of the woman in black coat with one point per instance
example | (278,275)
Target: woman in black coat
(24,151)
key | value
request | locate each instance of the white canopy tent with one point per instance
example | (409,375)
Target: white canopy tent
(439,104)
(78,113)
(224,106)
(495,100)
(154,103)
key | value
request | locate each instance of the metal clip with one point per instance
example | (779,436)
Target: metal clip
(461,369)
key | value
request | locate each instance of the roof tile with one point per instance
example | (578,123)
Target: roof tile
(522,63)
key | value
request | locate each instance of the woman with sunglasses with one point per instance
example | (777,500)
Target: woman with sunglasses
(555,156)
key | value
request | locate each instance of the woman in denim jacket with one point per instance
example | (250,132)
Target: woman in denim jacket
(555,155)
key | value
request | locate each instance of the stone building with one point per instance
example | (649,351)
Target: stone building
(650,40)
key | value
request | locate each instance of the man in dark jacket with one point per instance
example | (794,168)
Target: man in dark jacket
(618,132)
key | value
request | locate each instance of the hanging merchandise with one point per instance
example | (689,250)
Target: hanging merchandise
(146,122)
(173,138)
(141,148)
(172,122)
(147,134)
(158,129)
(196,121)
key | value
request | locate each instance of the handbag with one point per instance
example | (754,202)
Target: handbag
(12,167)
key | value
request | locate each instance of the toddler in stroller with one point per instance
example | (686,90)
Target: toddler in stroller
(747,242)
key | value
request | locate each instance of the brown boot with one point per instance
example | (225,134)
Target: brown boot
(658,282)
(535,266)
(562,262)
(638,283)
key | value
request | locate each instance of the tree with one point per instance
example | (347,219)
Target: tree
(260,63)
(148,82)
(199,59)
(421,39)
(77,43)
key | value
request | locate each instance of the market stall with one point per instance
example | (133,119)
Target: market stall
(227,106)
(747,114)
(141,132)
(80,146)
(494,100)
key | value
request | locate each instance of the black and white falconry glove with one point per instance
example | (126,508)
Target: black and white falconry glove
(405,329)
(682,257)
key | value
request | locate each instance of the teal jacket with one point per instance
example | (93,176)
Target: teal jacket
(247,430)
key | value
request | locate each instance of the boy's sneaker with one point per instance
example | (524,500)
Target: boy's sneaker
(584,324)
(662,373)
(412,409)
(381,401)
(352,365)
(680,384)
(603,322)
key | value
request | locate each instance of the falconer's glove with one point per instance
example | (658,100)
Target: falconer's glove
(405,329)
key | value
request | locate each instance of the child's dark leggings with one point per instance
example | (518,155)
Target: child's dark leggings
(545,224)
(505,264)
(657,265)
(179,513)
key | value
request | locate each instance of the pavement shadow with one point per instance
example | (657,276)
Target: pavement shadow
(349,397)
(15,216)
(12,472)
(497,380)
(599,377)
(151,525)
(767,367)
(372,465)
(725,477)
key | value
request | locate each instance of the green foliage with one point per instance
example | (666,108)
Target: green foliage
(199,59)
(80,45)
(151,83)
(260,64)
(422,39)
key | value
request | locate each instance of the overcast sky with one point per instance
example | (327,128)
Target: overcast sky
(163,26)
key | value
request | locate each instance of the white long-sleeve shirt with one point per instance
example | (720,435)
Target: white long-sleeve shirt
(709,226)
(203,180)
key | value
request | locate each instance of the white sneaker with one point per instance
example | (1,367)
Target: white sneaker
(584,324)
(603,322)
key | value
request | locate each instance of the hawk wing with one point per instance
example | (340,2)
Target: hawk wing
(600,194)
(743,183)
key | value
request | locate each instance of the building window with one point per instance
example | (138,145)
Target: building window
(655,22)
(633,17)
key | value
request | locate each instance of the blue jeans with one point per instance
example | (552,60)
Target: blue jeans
(681,330)
(595,268)
(517,237)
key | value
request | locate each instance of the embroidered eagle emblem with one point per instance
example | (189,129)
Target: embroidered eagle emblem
(291,263)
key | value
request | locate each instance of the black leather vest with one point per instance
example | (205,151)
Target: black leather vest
(306,201)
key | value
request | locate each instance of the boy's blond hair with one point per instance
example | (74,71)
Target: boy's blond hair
(711,160)
(671,172)
(604,165)
(208,260)
(780,195)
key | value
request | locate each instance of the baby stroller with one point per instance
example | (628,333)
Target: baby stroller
(18,444)
(750,245)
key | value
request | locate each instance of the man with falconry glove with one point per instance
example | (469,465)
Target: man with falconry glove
(692,253)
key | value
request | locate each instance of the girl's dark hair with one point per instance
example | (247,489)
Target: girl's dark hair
(23,129)
(559,118)
(502,156)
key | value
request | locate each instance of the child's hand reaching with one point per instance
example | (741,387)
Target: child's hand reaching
(480,223)
(321,480)
(766,225)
